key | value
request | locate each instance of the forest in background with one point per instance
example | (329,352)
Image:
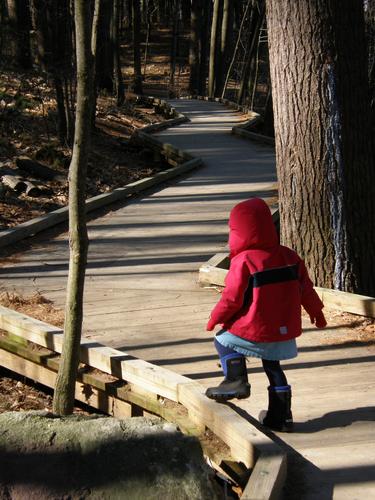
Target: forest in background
(171,48)
(217,48)
(164,48)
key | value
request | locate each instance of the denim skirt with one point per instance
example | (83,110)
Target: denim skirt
(273,351)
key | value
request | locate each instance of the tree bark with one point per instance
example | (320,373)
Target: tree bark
(324,149)
(63,401)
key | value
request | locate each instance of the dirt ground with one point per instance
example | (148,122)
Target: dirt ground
(27,128)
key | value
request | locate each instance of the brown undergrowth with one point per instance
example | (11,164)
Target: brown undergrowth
(28,127)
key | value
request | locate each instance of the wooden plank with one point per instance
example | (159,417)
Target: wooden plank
(157,127)
(118,389)
(38,224)
(92,397)
(211,275)
(244,440)
(246,134)
(267,478)
(348,302)
(166,148)
(117,363)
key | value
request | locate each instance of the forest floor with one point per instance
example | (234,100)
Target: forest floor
(28,129)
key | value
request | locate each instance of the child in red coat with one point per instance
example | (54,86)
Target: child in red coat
(260,309)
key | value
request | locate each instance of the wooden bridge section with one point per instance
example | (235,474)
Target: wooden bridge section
(142,297)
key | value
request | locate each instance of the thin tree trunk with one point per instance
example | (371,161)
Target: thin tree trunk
(150,13)
(226,32)
(117,75)
(174,44)
(195,27)
(104,59)
(20,24)
(236,47)
(251,50)
(94,49)
(51,23)
(204,46)
(137,84)
(63,401)
(213,49)
(324,146)
(370,25)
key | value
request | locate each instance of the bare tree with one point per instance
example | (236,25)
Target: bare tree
(63,401)
(204,44)
(324,146)
(20,24)
(136,14)
(213,48)
(115,38)
(52,25)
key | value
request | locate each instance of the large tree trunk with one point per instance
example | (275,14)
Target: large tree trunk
(323,144)
(63,401)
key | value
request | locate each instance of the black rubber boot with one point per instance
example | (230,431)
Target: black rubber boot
(279,415)
(235,384)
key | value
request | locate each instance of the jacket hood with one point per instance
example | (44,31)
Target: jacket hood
(251,227)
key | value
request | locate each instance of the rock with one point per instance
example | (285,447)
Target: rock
(96,457)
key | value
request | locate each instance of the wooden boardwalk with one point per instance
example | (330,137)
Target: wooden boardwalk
(142,297)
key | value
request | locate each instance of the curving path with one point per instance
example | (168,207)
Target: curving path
(142,297)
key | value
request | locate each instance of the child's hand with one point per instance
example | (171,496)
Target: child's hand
(318,320)
(210,325)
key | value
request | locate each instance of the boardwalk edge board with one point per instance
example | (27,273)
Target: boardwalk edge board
(246,443)
(240,130)
(214,272)
(180,161)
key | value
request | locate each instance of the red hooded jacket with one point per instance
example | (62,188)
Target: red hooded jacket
(266,284)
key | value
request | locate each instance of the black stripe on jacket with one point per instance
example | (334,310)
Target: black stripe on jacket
(269,277)
(276,275)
